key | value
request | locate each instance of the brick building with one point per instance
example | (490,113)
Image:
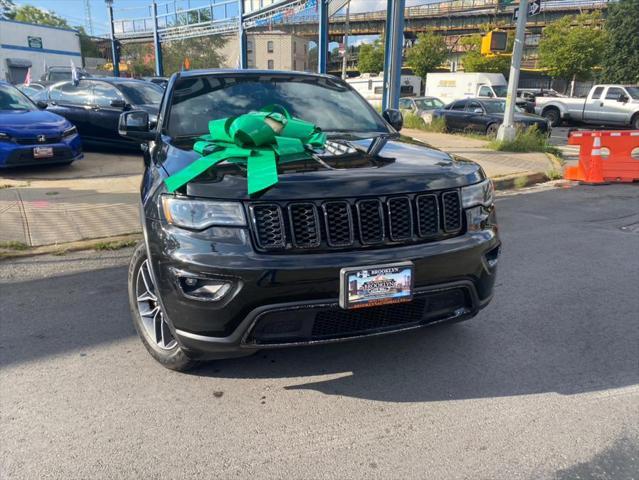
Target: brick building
(270,51)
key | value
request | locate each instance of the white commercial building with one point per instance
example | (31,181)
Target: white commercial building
(24,46)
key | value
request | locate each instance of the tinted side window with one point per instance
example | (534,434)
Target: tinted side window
(471,106)
(104,94)
(460,105)
(614,93)
(404,103)
(69,94)
(597,93)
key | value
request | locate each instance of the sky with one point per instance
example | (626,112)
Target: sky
(73,10)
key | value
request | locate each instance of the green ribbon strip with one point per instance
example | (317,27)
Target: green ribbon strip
(257,139)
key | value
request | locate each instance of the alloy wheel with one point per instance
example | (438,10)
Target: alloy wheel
(150,311)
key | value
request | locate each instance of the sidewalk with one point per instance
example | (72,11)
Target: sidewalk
(497,165)
(93,198)
(98,196)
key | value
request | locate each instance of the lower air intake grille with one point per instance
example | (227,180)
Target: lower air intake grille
(337,322)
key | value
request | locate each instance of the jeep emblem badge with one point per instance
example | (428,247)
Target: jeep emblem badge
(41,138)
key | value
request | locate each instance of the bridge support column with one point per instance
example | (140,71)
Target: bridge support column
(115,53)
(322,44)
(243,60)
(157,45)
(394,44)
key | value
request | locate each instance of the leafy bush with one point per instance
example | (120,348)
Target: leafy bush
(528,140)
(415,121)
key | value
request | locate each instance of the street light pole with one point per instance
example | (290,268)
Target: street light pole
(507,131)
(346,27)
(115,58)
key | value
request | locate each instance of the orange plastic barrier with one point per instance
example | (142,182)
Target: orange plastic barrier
(621,164)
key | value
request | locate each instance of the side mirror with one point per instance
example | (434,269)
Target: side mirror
(118,103)
(135,124)
(623,98)
(478,110)
(394,117)
(41,104)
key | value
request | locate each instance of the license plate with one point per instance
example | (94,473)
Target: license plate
(376,285)
(42,152)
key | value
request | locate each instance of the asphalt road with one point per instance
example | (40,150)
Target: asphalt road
(543,384)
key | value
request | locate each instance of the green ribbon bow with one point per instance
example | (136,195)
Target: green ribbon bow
(258,139)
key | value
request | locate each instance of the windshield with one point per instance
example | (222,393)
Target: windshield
(633,92)
(141,93)
(12,99)
(500,90)
(428,103)
(329,104)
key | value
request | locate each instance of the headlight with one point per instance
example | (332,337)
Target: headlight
(201,214)
(481,193)
(4,137)
(69,132)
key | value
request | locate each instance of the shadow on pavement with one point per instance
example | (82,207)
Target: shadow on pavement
(41,318)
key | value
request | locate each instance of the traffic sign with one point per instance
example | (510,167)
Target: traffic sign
(534,8)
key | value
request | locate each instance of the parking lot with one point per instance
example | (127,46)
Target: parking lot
(542,384)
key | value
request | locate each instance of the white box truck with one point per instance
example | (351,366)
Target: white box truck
(455,86)
(371,86)
(458,85)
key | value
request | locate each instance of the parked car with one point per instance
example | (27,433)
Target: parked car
(222,273)
(485,116)
(161,81)
(604,105)
(451,86)
(59,74)
(421,106)
(29,136)
(94,105)
(32,89)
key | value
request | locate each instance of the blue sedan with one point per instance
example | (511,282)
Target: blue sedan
(30,136)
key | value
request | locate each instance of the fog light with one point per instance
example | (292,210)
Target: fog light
(204,289)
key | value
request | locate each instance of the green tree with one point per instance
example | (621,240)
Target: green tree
(621,58)
(371,57)
(474,61)
(427,54)
(88,46)
(202,52)
(31,14)
(572,47)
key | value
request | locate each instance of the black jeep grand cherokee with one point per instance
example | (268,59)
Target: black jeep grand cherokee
(374,233)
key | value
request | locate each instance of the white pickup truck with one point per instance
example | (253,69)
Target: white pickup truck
(605,105)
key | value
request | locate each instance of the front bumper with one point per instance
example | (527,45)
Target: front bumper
(291,299)
(19,155)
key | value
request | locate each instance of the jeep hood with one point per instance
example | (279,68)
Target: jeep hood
(401,165)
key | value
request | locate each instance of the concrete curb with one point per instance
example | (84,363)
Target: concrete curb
(519,181)
(104,243)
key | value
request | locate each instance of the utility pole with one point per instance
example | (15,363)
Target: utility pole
(345,40)
(114,49)
(157,45)
(507,129)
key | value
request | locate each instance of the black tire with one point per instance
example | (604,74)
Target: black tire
(492,129)
(553,116)
(173,358)
(635,122)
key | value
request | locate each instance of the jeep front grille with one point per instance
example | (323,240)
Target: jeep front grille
(355,222)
